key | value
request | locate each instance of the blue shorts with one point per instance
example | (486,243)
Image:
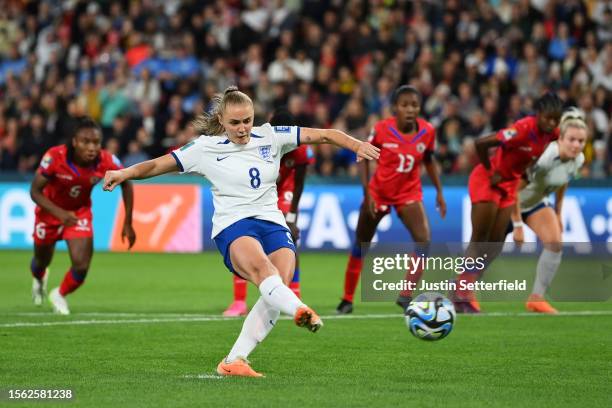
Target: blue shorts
(526,214)
(271,236)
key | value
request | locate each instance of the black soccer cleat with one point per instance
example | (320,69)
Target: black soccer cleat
(345,307)
(403,302)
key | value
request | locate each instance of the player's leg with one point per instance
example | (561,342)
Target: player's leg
(483,219)
(546,226)
(366,228)
(270,274)
(414,218)
(81,252)
(238,307)
(43,254)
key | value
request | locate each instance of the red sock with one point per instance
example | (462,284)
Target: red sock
(240,289)
(412,277)
(71,282)
(295,287)
(351,277)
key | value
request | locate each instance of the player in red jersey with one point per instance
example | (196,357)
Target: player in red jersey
(405,141)
(493,184)
(61,190)
(289,185)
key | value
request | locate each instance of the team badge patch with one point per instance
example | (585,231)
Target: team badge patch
(265,152)
(289,163)
(46,161)
(420,147)
(94,180)
(282,129)
(509,133)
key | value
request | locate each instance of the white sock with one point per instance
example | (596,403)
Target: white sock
(259,322)
(546,270)
(279,296)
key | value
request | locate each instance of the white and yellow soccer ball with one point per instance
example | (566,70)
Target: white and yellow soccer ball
(430,316)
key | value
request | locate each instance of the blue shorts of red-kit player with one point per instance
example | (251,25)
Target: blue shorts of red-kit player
(270,235)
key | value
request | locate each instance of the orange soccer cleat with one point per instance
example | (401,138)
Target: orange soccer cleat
(239,367)
(537,304)
(306,317)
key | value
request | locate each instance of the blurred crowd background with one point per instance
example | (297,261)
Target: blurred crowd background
(143,69)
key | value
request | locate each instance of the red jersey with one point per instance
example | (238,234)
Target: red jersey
(397,177)
(521,145)
(286,174)
(70,185)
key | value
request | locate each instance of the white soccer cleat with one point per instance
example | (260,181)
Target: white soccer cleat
(60,306)
(39,289)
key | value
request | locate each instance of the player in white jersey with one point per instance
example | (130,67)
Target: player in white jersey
(242,163)
(560,162)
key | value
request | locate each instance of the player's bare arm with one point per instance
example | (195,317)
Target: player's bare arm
(483,145)
(150,168)
(364,150)
(127,192)
(67,218)
(559,195)
(432,171)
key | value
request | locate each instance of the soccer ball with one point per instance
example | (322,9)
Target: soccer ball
(430,316)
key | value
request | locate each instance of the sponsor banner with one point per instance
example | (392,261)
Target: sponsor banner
(328,217)
(178,218)
(167,218)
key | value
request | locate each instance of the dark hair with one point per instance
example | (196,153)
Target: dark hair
(549,102)
(405,89)
(208,123)
(83,122)
(282,117)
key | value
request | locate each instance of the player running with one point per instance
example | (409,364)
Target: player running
(493,184)
(289,185)
(560,162)
(242,164)
(61,190)
(406,141)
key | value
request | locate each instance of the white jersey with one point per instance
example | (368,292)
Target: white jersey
(243,177)
(548,175)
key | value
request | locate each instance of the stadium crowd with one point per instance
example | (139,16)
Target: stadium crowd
(144,69)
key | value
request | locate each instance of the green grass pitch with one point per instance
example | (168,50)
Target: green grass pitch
(145,332)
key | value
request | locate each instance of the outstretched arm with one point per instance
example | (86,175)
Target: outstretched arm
(336,137)
(147,169)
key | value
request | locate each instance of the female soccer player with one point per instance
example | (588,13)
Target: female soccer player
(61,190)
(242,163)
(559,163)
(493,184)
(405,141)
(289,185)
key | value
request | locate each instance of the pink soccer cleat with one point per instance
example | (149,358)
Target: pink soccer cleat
(237,308)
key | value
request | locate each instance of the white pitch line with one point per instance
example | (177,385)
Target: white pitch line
(204,376)
(209,318)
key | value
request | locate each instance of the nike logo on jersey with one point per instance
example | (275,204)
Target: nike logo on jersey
(64,176)
(222,158)
(525,148)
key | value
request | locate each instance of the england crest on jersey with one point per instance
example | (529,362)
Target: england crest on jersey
(265,152)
